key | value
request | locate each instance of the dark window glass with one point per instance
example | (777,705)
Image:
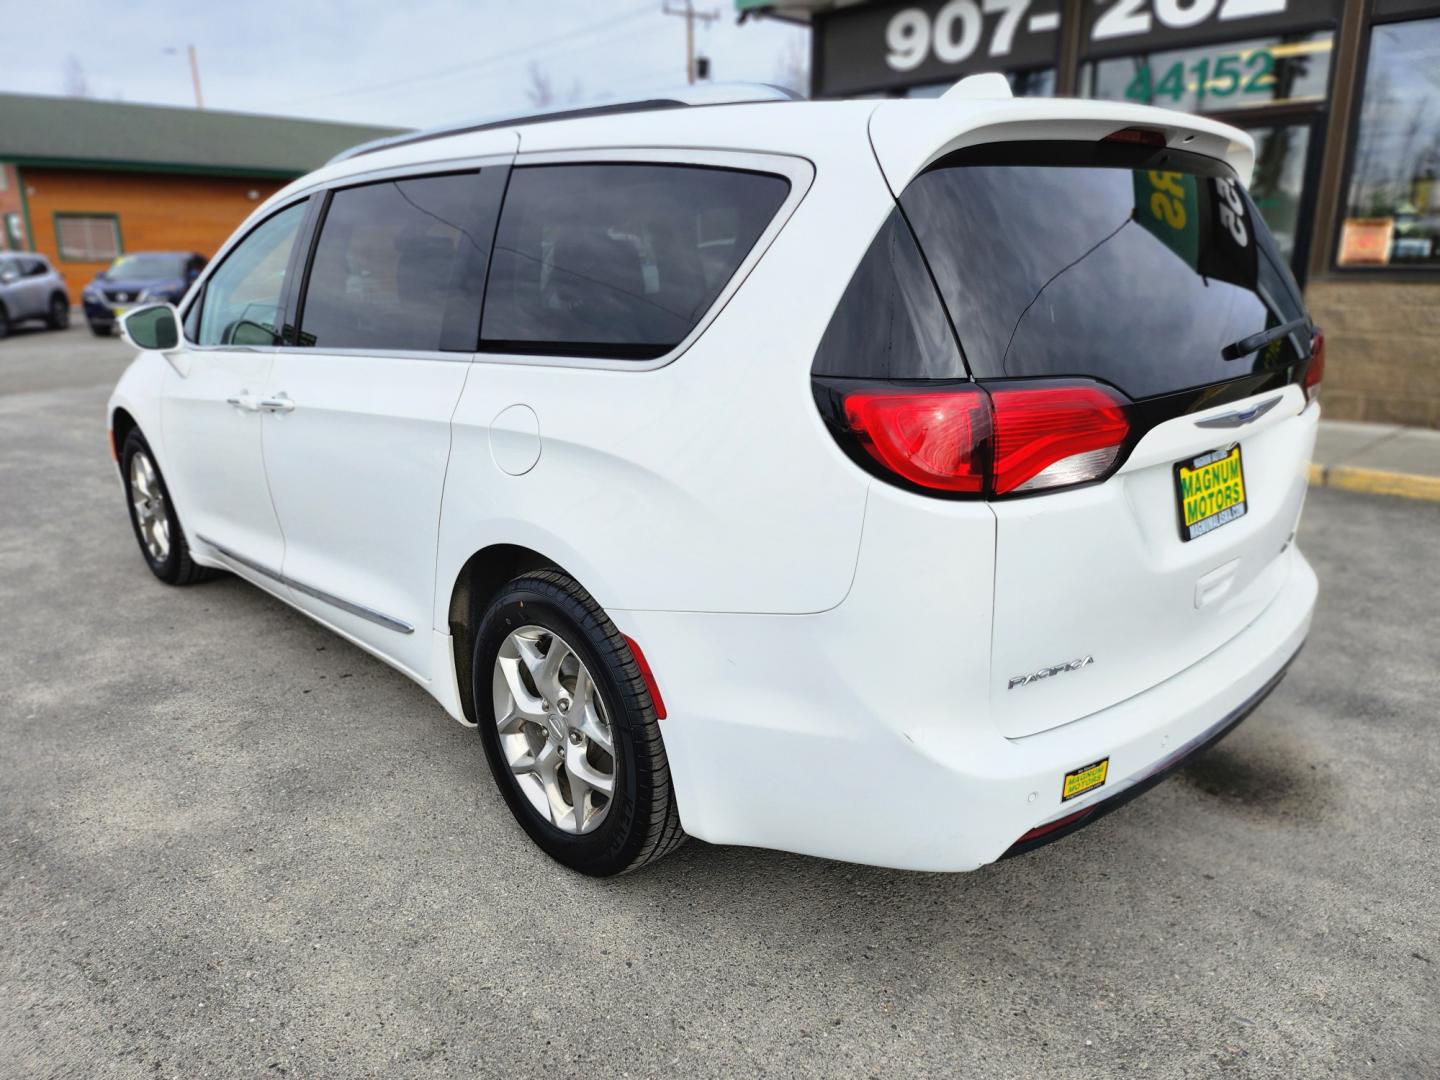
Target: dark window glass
(1392,213)
(241,303)
(401,265)
(889,323)
(618,260)
(1107,260)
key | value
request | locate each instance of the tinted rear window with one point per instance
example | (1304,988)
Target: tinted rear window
(1108,260)
(401,264)
(618,260)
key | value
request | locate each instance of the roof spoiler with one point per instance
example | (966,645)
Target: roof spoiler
(909,135)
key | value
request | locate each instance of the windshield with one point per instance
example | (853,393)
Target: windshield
(151,267)
(1108,260)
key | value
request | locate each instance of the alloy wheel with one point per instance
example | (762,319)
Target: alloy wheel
(152,517)
(553,728)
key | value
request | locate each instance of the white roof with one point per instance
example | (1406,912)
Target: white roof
(907,134)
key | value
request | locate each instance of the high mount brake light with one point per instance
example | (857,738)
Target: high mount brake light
(1315,370)
(1143,136)
(991,440)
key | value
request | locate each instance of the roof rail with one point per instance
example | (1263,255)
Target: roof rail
(714,94)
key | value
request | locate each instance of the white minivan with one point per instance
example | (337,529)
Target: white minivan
(905,482)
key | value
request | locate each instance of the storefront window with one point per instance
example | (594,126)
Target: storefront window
(1278,183)
(1286,70)
(1393,206)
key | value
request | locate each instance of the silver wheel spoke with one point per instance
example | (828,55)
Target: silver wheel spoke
(589,724)
(151,517)
(549,748)
(590,777)
(523,702)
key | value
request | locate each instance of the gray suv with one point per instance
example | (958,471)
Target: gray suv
(30,288)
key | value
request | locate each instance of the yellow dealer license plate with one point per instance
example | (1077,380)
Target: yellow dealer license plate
(1211,491)
(1086,778)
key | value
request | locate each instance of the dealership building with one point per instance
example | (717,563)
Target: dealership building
(1341,96)
(84,181)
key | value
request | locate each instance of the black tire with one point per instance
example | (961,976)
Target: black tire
(101,329)
(177,567)
(59,315)
(4,322)
(642,823)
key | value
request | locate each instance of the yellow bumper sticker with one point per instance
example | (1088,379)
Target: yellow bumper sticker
(1086,778)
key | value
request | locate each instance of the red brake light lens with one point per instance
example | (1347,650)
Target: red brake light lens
(992,439)
(1140,135)
(1315,370)
(1052,436)
(935,439)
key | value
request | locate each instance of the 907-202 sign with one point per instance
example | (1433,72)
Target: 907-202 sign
(1113,27)
(878,46)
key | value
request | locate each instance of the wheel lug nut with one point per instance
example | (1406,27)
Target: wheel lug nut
(575,737)
(564,704)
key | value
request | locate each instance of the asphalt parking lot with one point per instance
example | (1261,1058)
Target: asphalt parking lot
(233,845)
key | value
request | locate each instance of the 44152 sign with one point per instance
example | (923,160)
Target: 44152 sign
(1222,76)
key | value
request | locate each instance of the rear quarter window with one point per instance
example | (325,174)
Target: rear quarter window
(618,260)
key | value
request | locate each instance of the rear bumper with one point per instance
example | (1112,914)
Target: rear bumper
(811,734)
(1075,820)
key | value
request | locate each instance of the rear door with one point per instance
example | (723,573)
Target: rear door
(357,420)
(1147,270)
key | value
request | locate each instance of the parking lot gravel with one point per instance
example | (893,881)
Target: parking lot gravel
(232,845)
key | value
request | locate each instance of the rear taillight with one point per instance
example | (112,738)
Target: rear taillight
(994,439)
(1315,369)
(932,438)
(1054,436)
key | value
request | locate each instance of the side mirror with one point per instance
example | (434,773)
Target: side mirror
(153,327)
(8,276)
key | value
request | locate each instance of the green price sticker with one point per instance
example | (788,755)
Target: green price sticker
(1167,206)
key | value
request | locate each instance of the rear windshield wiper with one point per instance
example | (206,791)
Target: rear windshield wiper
(1255,342)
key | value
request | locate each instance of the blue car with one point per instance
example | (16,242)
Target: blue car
(144,277)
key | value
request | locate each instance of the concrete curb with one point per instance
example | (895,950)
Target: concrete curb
(1375,481)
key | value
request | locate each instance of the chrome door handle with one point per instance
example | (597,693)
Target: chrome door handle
(280,403)
(245,402)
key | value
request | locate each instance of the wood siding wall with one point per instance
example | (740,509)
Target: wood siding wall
(157,211)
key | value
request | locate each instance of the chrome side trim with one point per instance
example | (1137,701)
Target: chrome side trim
(1239,416)
(377,617)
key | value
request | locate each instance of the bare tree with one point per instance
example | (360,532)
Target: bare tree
(74,82)
(542,92)
(792,67)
